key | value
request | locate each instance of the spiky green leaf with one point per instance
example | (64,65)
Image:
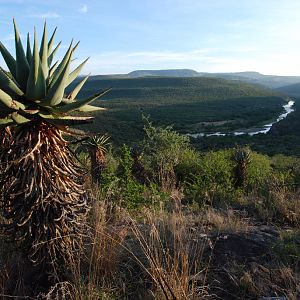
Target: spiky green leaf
(90,108)
(44,52)
(53,53)
(28,50)
(9,60)
(61,66)
(17,118)
(7,101)
(9,86)
(77,89)
(56,91)
(5,122)
(73,75)
(76,105)
(51,41)
(36,85)
(67,121)
(52,69)
(22,66)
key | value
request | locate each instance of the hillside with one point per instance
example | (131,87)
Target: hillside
(271,81)
(190,104)
(292,89)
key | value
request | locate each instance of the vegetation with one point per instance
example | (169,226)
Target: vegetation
(189,104)
(153,218)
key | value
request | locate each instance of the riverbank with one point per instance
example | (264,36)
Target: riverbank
(288,108)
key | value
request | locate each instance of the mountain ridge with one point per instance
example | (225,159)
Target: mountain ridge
(270,81)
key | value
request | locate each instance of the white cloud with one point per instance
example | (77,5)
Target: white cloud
(205,60)
(47,15)
(83,8)
(11,37)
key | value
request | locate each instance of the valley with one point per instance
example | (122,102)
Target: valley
(189,104)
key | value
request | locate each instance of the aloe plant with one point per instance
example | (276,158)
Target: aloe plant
(43,200)
(242,158)
(97,146)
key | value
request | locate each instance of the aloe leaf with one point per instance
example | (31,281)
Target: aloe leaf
(19,119)
(62,65)
(9,86)
(28,50)
(76,105)
(22,66)
(75,47)
(9,60)
(52,69)
(36,85)
(53,53)
(90,108)
(85,108)
(72,131)
(44,52)
(51,41)
(77,89)
(73,75)
(7,101)
(5,122)
(56,91)
(68,120)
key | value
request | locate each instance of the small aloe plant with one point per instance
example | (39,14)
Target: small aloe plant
(43,200)
(242,158)
(97,146)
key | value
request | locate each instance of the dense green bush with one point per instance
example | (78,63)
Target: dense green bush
(288,166)
(259,171)
(213,183)
(189,165)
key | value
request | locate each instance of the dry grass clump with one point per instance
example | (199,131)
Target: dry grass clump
(157,257)
(173,252)
(227,221)
(280,204)
(275,281)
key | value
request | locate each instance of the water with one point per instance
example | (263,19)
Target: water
(288,108)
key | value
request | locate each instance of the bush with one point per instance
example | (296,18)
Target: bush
(259,171)
(163,148)
(189,165)
(214,182)
(288,166)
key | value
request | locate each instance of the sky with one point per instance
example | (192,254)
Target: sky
(120,36)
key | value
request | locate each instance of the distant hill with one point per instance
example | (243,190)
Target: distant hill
(167,73)
(271,81)
(292,89)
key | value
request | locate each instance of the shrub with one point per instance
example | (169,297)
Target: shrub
(214,182)
(259,170)
(163,148)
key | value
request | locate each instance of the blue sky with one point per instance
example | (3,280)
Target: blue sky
(205,35)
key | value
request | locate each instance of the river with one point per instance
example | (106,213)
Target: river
(288,108)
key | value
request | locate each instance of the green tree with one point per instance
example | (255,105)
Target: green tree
(163,148)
